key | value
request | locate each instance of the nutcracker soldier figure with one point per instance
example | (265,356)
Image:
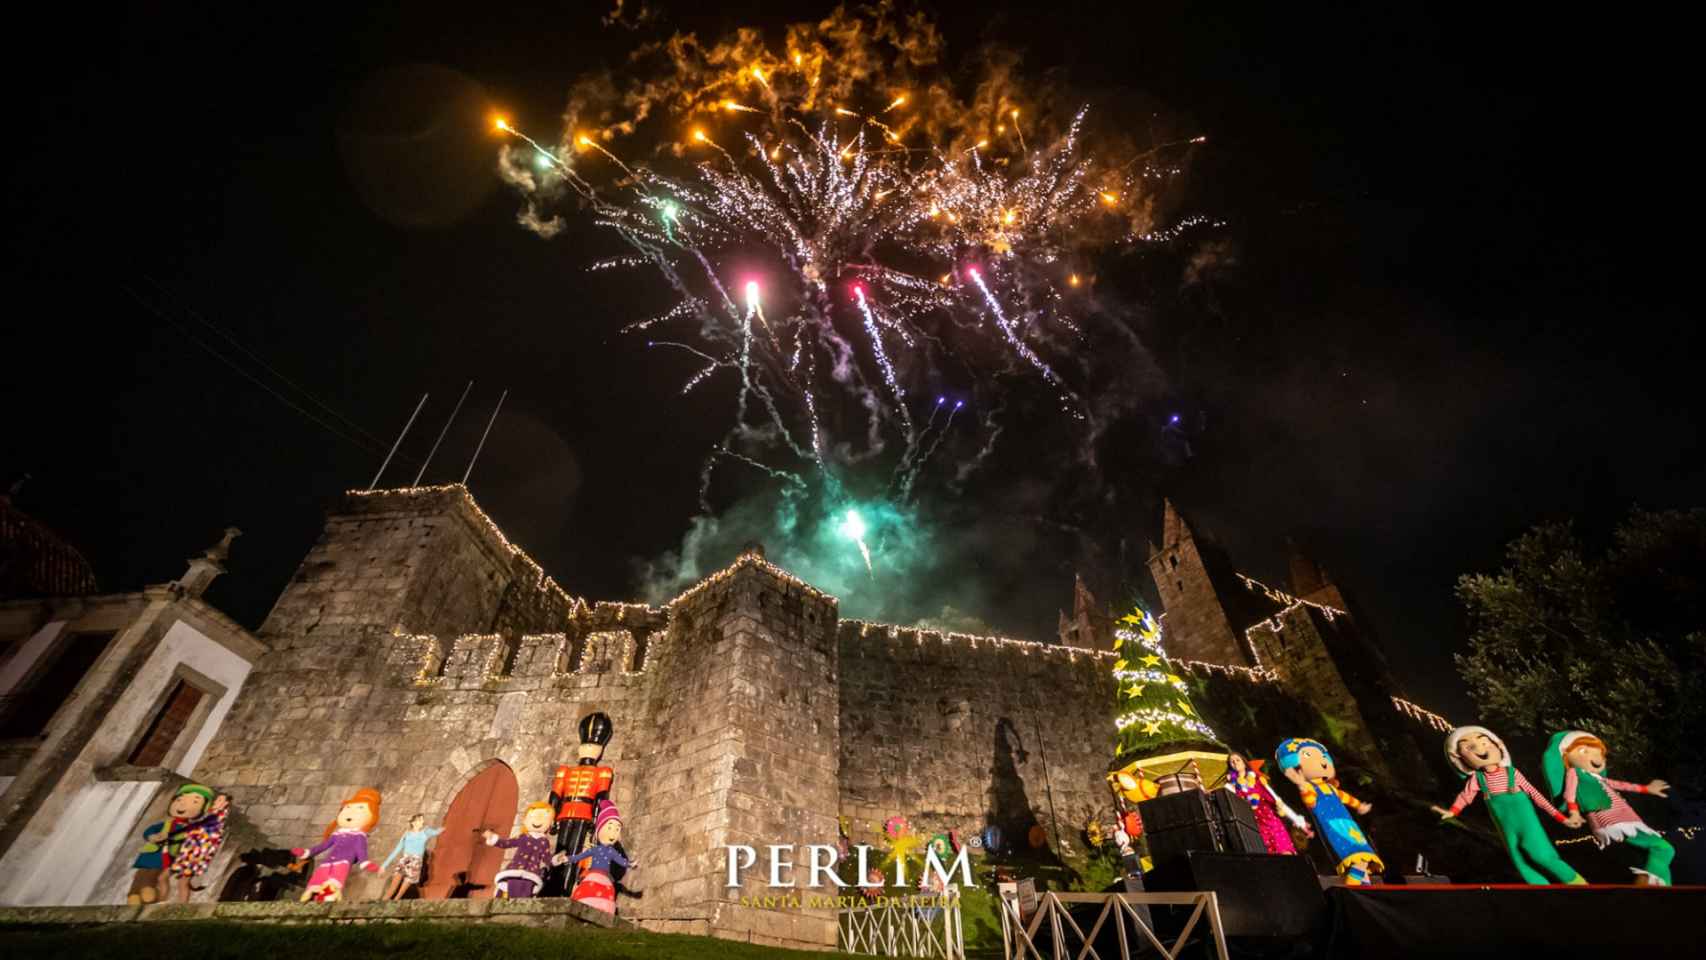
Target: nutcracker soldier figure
(576,791)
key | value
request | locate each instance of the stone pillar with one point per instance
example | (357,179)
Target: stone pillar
(744,709)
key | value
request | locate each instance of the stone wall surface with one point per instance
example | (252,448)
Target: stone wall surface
(955,732)
(416,647)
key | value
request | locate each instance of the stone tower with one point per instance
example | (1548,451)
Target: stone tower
(1311,582)
(747,751)
(1089,628)
(1198,626)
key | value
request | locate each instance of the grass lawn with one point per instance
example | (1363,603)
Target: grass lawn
(195,940)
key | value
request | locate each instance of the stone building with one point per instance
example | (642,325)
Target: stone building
(105,700)
(417,651)
(1305,639)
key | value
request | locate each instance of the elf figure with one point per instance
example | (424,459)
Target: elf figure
(410,854)
(162,841)
(201,842)
(1246,781)
(344,845)
(525,873)
(595,888)
(1309,765)
(1481,758)
(1574,764)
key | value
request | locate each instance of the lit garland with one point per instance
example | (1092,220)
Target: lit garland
(1686,833)
(429,653)
(752,560)
(894,632)
(1416,711)
(541,580)
(1250,674)
(433,655)
(1140,629)
(496,655)
(1286,599)
(1152,718)
(601,641)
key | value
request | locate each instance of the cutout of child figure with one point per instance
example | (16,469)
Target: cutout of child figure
(595,888)
(1309,765)
(1484,762)
(202,840)
(525,873)
(410,854)
(162,842)
(344,845)
(1574,764)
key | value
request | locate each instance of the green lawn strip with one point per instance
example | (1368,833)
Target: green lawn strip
(415,940)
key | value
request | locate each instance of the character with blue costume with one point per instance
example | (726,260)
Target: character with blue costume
(1309,764)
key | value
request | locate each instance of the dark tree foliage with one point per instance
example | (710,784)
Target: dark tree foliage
(1612,643)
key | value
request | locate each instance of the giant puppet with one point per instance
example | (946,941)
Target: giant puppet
(575,794)
(1485,764)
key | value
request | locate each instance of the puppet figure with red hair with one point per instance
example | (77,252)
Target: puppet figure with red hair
(344,845)
(1574,764)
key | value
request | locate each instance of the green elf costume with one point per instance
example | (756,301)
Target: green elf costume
(1574,764)
(1485,764)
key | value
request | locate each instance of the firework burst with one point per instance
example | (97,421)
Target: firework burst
(843,236)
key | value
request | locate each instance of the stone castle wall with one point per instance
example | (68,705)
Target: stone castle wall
(957,732)
(416,646)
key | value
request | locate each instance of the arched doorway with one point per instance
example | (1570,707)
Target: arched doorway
(485,802)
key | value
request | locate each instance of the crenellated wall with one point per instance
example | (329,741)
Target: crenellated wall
(957,732)
(416,647)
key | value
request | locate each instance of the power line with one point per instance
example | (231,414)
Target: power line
(189,334)
(229,338)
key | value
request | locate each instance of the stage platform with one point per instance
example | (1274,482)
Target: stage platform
(1514,920)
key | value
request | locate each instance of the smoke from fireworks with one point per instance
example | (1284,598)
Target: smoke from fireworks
(845,236)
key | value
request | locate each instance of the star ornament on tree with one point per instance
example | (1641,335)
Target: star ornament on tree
(1152,728)
(1151,660)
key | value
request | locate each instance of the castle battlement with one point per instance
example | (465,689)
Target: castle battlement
(417,649)
(866,630)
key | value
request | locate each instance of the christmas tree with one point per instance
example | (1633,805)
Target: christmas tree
(1155,709)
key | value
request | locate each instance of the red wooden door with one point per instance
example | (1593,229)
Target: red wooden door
(485,802)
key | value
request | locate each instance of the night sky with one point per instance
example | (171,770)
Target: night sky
(1451,304)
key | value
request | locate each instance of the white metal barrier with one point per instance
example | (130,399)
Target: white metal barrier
(905,927)
(1019,938)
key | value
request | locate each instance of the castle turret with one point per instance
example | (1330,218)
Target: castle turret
(747,753)
(1197,625)
(1088,627)
(1310,581)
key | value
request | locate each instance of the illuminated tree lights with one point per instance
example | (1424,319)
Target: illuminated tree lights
(1154,701)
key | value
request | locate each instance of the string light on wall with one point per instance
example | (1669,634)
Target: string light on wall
(753,560)
(1286,599)
(894,632)
(542,581)
(1416,711)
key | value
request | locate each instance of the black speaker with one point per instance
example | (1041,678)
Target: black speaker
(1181,809)
(1237,824)
(1196,820)
(1263,896)
(1175,842)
